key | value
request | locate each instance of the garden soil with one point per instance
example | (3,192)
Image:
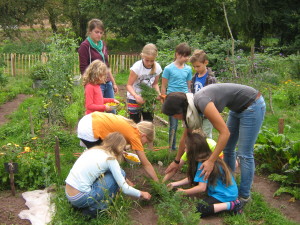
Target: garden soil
(11,206)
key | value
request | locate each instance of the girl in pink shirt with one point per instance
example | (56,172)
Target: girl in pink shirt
(95,75)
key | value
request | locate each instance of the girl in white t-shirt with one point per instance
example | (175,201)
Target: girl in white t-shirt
(96,177)
(145,71)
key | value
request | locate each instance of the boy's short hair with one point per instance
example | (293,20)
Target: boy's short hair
(183,49)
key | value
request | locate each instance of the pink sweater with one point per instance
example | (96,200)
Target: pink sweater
(94,100)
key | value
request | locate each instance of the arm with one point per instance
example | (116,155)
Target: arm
(189,85)
(180,182)
(173,165)
(131,79)
(169,175)
(147,165)
(115,87)
(164,85)
(201,187)
(213,115)
(155,85)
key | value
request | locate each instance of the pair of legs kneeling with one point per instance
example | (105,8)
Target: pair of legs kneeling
(210,206)
(103,190)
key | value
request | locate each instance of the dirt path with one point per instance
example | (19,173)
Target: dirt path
(10,106)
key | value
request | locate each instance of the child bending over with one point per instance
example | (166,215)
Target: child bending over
(96,177)
(221,187)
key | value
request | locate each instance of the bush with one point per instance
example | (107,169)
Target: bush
(39,71)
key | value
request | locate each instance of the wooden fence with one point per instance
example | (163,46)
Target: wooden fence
(20,64)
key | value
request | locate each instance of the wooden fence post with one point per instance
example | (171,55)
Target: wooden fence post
(57,156)
(44,58)
(13,64)
(280,126)
(31,122)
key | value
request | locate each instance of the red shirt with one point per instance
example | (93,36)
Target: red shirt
(94,100)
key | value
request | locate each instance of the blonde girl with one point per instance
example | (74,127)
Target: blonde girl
(96,177)
(203,77)
(145,71)
(94,127)
(95,75)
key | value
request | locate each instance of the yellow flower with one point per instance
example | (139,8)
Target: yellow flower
(8,144)
(2,153)
(34,138)
(19,156)
(17,145)
(27,149)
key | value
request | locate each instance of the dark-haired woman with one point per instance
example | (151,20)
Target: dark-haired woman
(247,110)
(221,187)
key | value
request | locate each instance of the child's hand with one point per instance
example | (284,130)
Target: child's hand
(116,101)
(180,190)
(107,108)
(145,195)
(162,98)
(170,186)
(139,99)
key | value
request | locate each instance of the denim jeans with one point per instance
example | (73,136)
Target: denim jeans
(108,92)
(172,132)
(103,191)
(244,128)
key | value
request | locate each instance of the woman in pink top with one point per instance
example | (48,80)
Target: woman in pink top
(95,75)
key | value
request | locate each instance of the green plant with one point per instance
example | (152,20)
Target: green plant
(60,84)
(149,95)
(278,155)
(39,71)
(173,207)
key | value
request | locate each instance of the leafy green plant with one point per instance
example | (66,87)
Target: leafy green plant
(149,95)
(278,155)
(173,207)
(60,83)
(39,71)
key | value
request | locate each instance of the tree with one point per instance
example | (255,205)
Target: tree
(15,13)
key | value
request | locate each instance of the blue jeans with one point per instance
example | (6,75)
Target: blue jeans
(108,92)
(172,132)
(103,190)
(244,128)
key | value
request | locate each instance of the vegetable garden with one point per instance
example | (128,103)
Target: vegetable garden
(49,117)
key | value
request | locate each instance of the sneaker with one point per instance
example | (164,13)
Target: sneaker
(245,200)
(238,208)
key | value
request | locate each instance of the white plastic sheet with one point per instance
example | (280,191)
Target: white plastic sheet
(40,209)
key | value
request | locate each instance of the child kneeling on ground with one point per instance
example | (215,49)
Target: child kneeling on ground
(97,176)
(221,186)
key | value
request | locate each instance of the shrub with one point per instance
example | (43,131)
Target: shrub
(39,71)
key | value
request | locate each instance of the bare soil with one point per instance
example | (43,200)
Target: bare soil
(10,206)
(10,106)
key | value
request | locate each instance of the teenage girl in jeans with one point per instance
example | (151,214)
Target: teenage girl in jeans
(94,48)
(96,177)
(247,110)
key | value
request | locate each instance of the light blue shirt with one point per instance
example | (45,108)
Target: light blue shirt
(220,191)
(177,78)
